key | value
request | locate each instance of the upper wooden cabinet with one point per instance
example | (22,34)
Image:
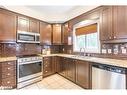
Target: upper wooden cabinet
(27,24)
(120,22)
(34,25)
(113,21)
(57,36)
(65,33)
(7,26)
(106,24)
(46,33)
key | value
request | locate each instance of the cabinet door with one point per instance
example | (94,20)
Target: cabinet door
(34,26)
(120,22)
(70,69)
(106,24)
(83,74)
(45,33)
(65,33)
(23,23)
(56,64)
(7,26)
(57,34)
(62,66)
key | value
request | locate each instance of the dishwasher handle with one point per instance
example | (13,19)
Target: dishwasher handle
(110,68)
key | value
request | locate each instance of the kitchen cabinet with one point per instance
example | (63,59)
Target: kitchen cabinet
(34,26)
(28,24)
(57,34)
(45,33)
(23,24)
(8,74)
(83,74)
(67,68)
(55,62)
(106,24)
(63,67)
(70,69)
(65,33)
(120,22)
(7,26)
(48,66)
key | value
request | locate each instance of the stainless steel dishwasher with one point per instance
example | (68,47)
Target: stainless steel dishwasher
(108,77)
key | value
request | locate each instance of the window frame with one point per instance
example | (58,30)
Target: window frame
(86,23)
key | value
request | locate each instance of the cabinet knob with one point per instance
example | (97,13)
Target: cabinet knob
(46,71)
(8,68)
(8,82)
(110,37)
(8,74)
(9,63)
(114,36)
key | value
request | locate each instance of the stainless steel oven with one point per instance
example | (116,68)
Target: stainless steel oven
(29,70)
(28,37)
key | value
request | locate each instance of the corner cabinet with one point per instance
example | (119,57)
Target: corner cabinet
(83,74)
(46,33)
(7,26)
(57,34)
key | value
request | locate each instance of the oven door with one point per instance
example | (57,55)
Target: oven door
(29,71)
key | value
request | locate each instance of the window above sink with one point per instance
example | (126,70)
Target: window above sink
(86,35)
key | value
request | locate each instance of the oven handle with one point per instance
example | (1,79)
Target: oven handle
(31,62)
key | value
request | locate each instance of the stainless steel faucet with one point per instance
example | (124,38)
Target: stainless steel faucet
(81,51)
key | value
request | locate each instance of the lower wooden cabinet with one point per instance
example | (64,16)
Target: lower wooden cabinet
(8,74)
(83,74)
(75,70)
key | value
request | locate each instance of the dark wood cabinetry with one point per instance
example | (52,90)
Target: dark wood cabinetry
(34,26)
(65,33)
(106,24)
(63,66)
(8,74)
(23,24)
(57,34)
(120,22)
(46,33)
(83,74)
(48,66)
(7,26)
(27,24)
(67,68)
(70,69)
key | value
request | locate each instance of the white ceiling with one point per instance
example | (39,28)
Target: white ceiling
(52,14)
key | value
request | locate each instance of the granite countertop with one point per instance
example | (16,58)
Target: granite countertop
(4,59)
(108,61)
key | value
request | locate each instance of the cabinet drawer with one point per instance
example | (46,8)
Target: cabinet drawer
(9,73)
(47,71)
(8,64)
(8,69)
(10,82)
(46,62)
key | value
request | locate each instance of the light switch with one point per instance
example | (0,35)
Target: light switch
(104,51)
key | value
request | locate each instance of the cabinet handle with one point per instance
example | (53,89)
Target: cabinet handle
(8,68)
(114,36)
(110,37)
(8,74)
(46,71)
(9,63)
(8,82)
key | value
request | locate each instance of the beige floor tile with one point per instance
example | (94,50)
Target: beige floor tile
(54,82)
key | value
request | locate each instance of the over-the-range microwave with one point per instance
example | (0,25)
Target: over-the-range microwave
(28,37)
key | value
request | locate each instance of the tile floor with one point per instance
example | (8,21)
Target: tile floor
(53,82)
